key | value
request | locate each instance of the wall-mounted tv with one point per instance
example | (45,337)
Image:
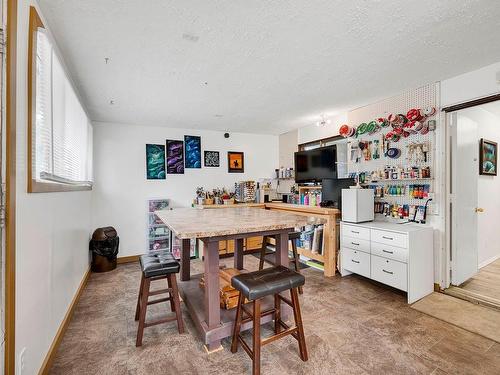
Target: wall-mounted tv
(315,165)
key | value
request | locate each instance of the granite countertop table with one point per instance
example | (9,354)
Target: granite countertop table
(212,226)
(195,223)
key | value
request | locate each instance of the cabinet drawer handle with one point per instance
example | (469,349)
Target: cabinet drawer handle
(354,243)
(388,238)
(355,261)
(389,272)
(388,252)
(353,231)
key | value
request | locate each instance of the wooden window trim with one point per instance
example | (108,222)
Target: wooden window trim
(34,185)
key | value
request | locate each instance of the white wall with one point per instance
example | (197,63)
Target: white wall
(313,132)
(52,233)
(121,189)
(472,85)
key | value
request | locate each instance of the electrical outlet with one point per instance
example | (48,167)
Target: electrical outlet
(21,365)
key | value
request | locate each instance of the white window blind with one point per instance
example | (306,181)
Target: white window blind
(63,134)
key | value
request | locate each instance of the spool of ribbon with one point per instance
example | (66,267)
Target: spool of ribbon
(429,111)
(344,130)
(414,115)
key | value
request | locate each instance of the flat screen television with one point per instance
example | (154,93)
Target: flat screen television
(316,165)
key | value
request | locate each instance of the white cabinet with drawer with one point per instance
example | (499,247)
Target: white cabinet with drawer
(357,261)
(355,243)
(390,272)
(354,231)
(398,255)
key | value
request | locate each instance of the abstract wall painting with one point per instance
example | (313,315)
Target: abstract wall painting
(155,162)
(175,157)
(488,155)
(212,159)
(192,145)
(235,162)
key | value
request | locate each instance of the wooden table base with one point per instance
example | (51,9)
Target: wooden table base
(193,297)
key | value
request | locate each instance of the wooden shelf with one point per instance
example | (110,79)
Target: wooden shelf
(310,254)
(397,180)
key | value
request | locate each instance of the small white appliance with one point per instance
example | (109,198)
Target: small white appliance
(357,205)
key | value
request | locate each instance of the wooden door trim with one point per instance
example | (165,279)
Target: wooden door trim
(10,209)
(472,103)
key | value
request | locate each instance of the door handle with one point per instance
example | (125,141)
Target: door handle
(479,210)
(355,261)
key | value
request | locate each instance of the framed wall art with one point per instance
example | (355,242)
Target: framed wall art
(235,162)
(212,159)
(192,144)
(488,156)
(175,157)
(155,162)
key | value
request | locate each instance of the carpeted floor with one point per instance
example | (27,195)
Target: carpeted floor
(352,326)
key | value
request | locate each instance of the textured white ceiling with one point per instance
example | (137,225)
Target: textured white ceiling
(262,66)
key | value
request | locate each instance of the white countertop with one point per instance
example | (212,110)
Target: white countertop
(393,227)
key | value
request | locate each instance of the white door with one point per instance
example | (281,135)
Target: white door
(464,178)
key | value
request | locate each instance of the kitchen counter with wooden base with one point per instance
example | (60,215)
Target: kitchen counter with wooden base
(331,231)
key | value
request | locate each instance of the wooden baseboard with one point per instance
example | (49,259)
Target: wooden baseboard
(49,358)
(128,259)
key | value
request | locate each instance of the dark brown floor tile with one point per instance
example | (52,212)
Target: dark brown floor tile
(352,326)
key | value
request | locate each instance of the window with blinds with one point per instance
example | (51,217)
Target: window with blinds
(61,133)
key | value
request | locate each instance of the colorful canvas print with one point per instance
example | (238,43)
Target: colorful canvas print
(175,157)
(155,162)
(192,145)
(212,159)
(488,151)
(235,162)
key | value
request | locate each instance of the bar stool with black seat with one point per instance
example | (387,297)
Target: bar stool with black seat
(256,285)
(158,266)
(292,237)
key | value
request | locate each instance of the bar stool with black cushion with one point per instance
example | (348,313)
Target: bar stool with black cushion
(256,285)
(292,237)
(158,266)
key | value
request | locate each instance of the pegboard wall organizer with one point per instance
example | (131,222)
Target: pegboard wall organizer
(392,145)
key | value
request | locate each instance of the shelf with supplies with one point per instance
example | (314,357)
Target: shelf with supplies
(310,195)
(327,259)
(397,180)
(159,236)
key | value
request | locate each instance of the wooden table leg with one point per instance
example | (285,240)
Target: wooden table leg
(186,259)
(238,254)
(212,299)
(281,252)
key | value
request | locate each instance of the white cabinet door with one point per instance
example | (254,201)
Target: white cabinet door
(464,190)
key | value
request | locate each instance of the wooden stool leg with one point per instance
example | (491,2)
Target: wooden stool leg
(237,324)
(172,304)
(256,338)
(177,302)
(139,299)
(263,250)
(277,314)
(296,260)
(298,322)
(142,311)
